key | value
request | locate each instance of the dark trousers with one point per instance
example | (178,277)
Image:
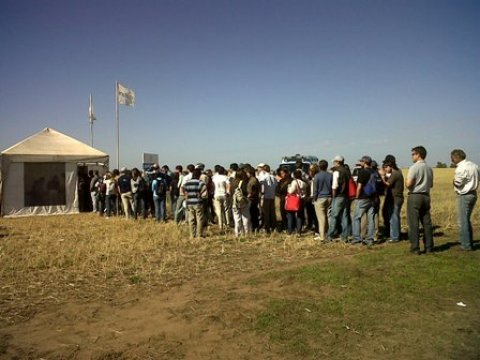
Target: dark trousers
(283,213)
(312,216)
(269,218)
(418,211)
(254,214)
(295,220)
(139,206)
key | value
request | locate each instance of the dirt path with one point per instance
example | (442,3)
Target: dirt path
(200,319)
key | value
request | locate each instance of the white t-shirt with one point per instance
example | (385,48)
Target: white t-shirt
(220,182)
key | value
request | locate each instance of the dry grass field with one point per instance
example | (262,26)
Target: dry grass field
(86,287)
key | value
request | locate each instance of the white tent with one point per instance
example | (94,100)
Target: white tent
(39,174)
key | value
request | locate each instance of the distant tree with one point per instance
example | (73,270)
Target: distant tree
(441,165)
(452,165)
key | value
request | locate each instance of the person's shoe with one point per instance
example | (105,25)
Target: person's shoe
(369,243)
(393,240)
(355,242)
(415,252)
(462,249)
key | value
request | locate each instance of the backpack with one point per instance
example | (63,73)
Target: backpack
(101,187)
(352,188)
(371,187)
(142,186)
(161,187)
(239,199)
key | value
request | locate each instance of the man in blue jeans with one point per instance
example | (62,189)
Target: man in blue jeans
(338,220)
(364,204)
(159,189)
(392,206)
(465,183)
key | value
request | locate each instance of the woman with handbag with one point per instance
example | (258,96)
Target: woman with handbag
(294,203)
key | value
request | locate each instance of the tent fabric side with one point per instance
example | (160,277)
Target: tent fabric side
(13,200)
(28,189)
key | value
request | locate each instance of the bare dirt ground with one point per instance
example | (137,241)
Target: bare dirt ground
(205,318)
(204,314)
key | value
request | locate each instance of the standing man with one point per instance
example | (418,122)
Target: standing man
(322,198)
(219,180)
(365,202)
(340,199)
(159,189)
(268,186)
(465,183)
(196,193)
(419,182)
(94,176)
(392,178)
(125,191)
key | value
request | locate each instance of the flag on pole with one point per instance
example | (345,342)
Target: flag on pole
(125,96)
(91,113)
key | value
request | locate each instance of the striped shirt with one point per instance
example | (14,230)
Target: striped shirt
(195,191)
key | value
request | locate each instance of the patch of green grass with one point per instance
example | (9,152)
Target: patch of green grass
(382,303)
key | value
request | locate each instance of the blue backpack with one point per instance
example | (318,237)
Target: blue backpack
(371,187)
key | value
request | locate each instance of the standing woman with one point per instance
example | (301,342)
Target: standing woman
(309,207)
(297,186)
(241,204)
(284,180)
(139,190)
(110,193)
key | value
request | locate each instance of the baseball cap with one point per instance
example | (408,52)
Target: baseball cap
(261,165)
(338,158)
(389,158)
(366,159)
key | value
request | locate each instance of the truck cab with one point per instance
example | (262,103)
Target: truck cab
(290,162)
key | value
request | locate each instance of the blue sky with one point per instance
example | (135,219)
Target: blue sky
(246,81)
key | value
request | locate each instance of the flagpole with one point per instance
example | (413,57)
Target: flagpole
(118,125)
(90,114)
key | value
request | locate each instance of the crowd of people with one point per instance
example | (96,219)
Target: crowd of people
(330,202)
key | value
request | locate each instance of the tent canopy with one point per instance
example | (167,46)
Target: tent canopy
(39,174)
(51,145)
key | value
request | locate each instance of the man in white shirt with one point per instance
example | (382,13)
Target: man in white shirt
(268,186)
(220,195)
(465,183)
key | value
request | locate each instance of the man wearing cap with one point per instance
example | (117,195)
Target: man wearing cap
(419,182)
(465,183)
(364,204)
(338,216)
(125,191)
(393,181)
